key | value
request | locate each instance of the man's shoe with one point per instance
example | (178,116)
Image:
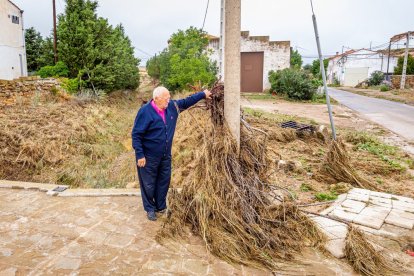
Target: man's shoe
(163,211)
(151,216)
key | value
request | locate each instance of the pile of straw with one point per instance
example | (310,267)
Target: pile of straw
(225,201)
(363,256)
(337,165)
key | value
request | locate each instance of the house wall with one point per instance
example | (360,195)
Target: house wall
(276,53)
(12,46)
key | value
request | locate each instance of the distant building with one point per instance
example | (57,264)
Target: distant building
(258,57)
(355,66)
(13,62)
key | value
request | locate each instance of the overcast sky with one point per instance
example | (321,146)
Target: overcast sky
(149,23)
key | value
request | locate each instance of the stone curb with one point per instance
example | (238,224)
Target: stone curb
(48,188)
(99,192)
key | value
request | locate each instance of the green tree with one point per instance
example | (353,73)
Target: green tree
(34,45)
(295,59)
(153,67)
(47,55)
(184,62)
(410,66)
(93,50)
(316,67)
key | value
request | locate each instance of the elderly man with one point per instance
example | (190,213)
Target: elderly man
(152,138)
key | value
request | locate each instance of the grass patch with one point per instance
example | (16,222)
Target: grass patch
(367,142)
(277,117)
(305,187)
(259,96)
(326,196)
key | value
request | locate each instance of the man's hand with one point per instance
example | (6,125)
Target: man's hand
(141,162)
(208,93)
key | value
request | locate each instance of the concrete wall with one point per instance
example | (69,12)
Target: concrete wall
(373,61)
(12,46)
(276,53)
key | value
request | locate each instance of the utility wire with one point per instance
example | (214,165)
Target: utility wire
(205,15)
(142,51)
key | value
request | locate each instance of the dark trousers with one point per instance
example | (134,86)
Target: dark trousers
(154,181)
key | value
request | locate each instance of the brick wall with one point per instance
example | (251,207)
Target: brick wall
(396,80)
(25,89)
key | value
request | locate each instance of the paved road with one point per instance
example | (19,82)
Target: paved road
(394,116)
(53,235)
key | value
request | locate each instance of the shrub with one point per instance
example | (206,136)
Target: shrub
(384,88)
(70,85)
(410,66)
(58,70)
(294,83)
(376,78)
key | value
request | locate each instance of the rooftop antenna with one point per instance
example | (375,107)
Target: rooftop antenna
(325,87)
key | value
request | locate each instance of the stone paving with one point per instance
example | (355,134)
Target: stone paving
(381,214)
(54,235)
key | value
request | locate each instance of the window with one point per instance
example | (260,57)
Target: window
(15,19)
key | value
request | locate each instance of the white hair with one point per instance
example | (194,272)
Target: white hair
(158,91)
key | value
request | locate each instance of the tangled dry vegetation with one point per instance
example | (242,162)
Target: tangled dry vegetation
(81,143)
(249,202)
(229,200)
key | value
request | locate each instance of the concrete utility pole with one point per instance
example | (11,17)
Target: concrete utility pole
(54,32)
(404,72)
(318,44)
(221,42)
(232,15)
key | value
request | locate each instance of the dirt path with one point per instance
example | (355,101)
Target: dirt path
(344,118)
(404,96)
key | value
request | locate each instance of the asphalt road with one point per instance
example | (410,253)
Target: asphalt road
(394,116)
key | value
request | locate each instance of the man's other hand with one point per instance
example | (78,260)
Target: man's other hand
(208,93)
(141,162)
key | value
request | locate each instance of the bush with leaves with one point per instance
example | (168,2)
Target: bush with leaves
(184,62)
(58,70)
(376,78)
(410,66)
(316,67)
(294,83)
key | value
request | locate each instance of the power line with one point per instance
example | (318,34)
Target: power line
(142,51)
(205,15)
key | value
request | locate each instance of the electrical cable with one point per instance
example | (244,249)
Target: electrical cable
(205,15)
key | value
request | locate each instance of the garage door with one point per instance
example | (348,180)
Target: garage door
(353,76)
(251,72)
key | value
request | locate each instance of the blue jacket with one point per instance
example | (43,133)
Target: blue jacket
(150,135)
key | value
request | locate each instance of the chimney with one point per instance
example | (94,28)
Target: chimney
(337,53)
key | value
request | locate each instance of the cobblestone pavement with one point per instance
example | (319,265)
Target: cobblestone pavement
(46,235)
(388,217)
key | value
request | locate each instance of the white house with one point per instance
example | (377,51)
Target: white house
(258,57)
(13,62)
(355,66)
